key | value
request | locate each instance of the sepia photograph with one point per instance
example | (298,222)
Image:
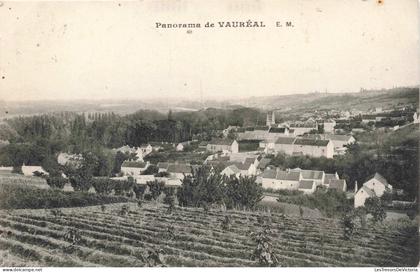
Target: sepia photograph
(222,133)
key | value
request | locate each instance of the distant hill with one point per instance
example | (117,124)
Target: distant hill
(317,101)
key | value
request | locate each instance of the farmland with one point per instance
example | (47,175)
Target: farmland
(190,237)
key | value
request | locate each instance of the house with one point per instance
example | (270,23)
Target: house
(283,144)
(329,125)
(28,170)
(368,118)
(329,177)
(146,149)
(317,176)
(73,159)
(377,185)
(143,179)
(416,118)
(338,184)
(133,168)
(223,145)
(277,179)
(179,170)
(307,186)
(302,128)
(361,196)
(181,146)
(231,170)
(240,169)
(340,141)
(314,147)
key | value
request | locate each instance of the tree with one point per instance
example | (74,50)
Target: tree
(263,251)
(361,212)
(151,170)
(374,207)
(103,186)
(170,198)
(155,188)
(204,186)
(242,192)
(139,190)
(348,224)
(56,182)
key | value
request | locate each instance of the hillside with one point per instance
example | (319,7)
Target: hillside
(316,101)
(189,237)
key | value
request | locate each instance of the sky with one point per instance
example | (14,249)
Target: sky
(113,50)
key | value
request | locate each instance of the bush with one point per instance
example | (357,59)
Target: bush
(139,190)
(374,207)
(242,192)
(15,196)
(103,186)
(56,182)
(122,187)
(148,197)
(155,188)
(17,170)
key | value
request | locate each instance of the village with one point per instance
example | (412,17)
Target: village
(248,152)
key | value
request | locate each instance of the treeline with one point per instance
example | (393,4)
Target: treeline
(41,136)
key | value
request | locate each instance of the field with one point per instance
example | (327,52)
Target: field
(189,237)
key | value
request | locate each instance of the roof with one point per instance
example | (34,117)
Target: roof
(241,166)
(277,130)
(179,168)
(134,164)
(380,178)
(311,174)
(335,137)
(313,142)
(233,168)
(329,121)
(285,140)
(368,191)
(269,173)
(218,141)
(329,177)
(263,163)
(249,160)
(306,184)
(284,175)
(337,184)
(163,165)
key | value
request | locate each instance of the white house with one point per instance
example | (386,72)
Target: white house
(315,175)
(338,184)
(179,170)
(378,184)
(240,169)
(223,145)
(314,147)
(277,179)
(361,196)
(307,186)
(146,149)
(181,146)
(28,170)
(282,144)
(133,168)
(416,118)
(375,186)
(162,166)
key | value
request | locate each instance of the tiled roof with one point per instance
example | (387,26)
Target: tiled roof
(133,164)
(249,160)
(179,168)
(277,130)
(263,163)
(311,174)
(163,165)
(313,142)
(329,177)
(285,140)
(284,175)
(306,184)
(368,191)
(218,141)
(337,184)
(269,173)
(381,179)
